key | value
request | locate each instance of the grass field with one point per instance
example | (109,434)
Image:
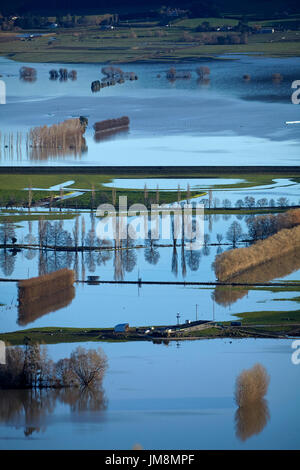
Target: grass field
(149,43)
(270,317)
(256,323)
(12,186)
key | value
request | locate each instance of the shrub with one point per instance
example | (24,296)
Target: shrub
(251,385)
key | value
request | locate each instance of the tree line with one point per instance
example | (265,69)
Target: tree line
(29,367)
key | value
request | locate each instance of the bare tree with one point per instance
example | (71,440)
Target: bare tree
(93,196)
(145,194)
(157,195)
(282,201)
(251,385)
(29,196)
(219,238)
(178,193)
(239,203)
(82,230)
(114,196)
(88,366)
(188,193)
(76,232)
(7,231)
(263,202)
(234,233)
(249,202)
(226,203)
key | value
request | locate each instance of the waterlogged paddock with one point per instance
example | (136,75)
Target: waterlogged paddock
(184,390)
(228,121)
(105,305)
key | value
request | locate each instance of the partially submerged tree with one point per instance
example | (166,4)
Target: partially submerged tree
(7,231)
(251,385)
(252,413)
(30,367)
(234,233)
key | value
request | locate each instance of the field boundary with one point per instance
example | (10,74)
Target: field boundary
(158,171)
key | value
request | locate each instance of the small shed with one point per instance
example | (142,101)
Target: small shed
(121,328)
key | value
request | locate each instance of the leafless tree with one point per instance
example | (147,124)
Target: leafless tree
(234,233)
(82,230)
(157,195)
(88,366)
(251,385)
(219,238)
(7,231)
(76,232)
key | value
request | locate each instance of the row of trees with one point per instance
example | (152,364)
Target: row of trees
(31,408)
(263,226)
(62,74)
(30,367)
(249,202)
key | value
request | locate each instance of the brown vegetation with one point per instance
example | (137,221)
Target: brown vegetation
(30,367)
(250,420)
(251,385)
(266,272)
(276,268)
(30,290)
(110,124)
(250,388)
(237,261)
(227,295)
(27,74)
(110,134)
(58,139)
(30,311)
(203,72)
(265,225)
(173,74)
(112,76)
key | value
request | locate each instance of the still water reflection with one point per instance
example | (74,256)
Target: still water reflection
(175,396)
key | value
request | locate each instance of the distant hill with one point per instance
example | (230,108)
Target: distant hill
(261,8)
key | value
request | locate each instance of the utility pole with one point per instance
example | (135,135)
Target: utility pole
(178,316)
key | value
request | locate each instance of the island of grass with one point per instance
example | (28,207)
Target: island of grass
(269,324)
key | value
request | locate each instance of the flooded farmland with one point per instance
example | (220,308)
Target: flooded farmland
(184,388)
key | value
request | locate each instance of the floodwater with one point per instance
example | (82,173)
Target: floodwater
(171,395)
(163,396)
(224,122)
(105,305)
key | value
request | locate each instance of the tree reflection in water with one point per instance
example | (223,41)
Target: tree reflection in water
(275,269)
(31,409)
(251,419)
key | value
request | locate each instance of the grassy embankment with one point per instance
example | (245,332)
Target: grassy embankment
(147,42)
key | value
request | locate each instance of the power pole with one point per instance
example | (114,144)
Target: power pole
(178,316)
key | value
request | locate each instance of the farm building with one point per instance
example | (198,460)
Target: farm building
(121,328)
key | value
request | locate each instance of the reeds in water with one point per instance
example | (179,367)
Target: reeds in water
(30,290)
(234,262)
(58,139)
